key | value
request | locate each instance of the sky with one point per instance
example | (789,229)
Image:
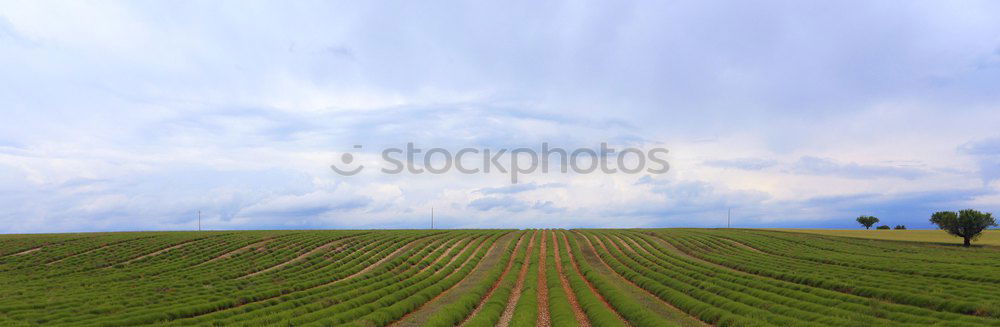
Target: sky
(136,115)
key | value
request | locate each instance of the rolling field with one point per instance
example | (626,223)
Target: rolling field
(989,237)
(647,277)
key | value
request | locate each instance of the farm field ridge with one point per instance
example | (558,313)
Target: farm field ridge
(550,277)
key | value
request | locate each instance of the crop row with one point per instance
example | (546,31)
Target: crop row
(492,278)
(105,287)
(719,296)
(492,310)
(458,311)
(177,283)
(935,293)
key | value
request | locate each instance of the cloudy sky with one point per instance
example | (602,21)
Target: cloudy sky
(136,115)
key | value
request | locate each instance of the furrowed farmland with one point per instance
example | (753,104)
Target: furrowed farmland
(635,277)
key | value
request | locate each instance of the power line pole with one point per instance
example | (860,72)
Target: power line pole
(729,217)
(432,217)
(199,220)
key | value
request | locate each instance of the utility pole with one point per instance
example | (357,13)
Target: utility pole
(729,217)
(432,217)
(199,220)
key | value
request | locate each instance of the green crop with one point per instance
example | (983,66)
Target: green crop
(723,277)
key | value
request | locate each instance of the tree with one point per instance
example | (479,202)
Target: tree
(867,221)
(883,227)
(900,227)
(967,224)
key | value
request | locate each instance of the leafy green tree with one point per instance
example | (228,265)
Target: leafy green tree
(967,224)
(867,221)
(900,227)
(883,227)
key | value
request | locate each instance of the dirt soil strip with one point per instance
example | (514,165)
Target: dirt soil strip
(675,250)
(378,263)
(591,286)
(442,256)
(581,317)
(508,312)
(680,252)
(78,254)
(95,249)
(296,259)
(628,245)
(392,255)
(450,251)
(446,276)
(27,251)
(419,316)
(657,298)
(178,245)
(229,254)
(543,289)
(489,294)
(743,245)
(175,246)
(630,242)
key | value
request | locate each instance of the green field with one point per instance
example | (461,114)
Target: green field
(640,277)
(989,237)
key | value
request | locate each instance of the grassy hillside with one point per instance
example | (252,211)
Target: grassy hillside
(649,277)
(990,237)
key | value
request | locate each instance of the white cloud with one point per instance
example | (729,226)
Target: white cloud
(123,115)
